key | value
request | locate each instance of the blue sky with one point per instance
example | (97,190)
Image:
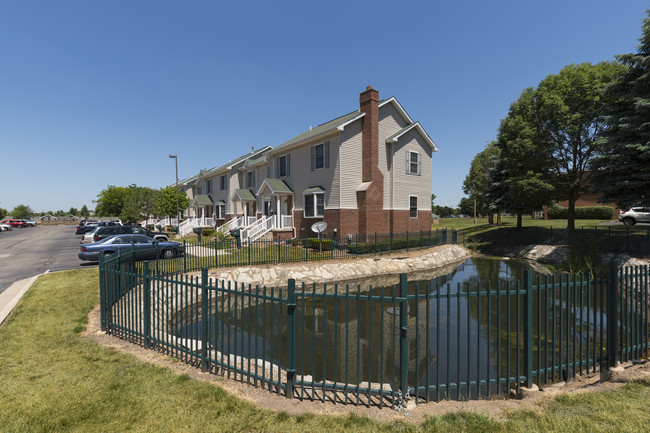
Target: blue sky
(97,93)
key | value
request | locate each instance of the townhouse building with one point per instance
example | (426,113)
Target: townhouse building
(368,171)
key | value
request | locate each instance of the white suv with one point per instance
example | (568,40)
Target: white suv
(635,215)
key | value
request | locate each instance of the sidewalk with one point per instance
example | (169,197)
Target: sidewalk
(10,297)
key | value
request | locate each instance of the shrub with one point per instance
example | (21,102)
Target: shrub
(582,212)
(394,244)
(209,233)
(583,253)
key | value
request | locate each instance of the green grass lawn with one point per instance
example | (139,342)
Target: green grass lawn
(53,379)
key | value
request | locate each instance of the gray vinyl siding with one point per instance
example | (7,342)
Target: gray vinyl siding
(349,165)
(390,122)
(405,185)
(302,177)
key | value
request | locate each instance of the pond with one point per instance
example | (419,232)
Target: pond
(465,330)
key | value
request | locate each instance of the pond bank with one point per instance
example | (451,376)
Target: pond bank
(427,263)
(557,255)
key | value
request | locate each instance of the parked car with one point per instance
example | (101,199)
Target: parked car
(5,227)
(30,223)
(87,227)
(103,232)
(635,214)
(146,247)
(14,223)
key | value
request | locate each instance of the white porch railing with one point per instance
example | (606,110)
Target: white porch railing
(251,220)
(186,226)
(286,221)
(257,230)
(234,222)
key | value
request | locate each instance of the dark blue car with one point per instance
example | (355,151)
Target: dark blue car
(146,248)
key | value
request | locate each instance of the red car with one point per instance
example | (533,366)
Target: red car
(15,223)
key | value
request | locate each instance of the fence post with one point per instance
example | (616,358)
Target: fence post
(444,236)
(375,243)
(147,304)
(103,305)
(216,253)
(403,340)
(528,327)
(454,236)
(612,316)
(204,319)
(292,342)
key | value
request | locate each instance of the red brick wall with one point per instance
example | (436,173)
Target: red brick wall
(401,221)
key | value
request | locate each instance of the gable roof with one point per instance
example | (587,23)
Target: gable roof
(340,123)
(243,195)
(275,186)
(395,137)
(322,130)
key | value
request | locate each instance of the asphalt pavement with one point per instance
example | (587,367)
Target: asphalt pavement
(32,251)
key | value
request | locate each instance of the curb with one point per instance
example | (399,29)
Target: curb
(10,297)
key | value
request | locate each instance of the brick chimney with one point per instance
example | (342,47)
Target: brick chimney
(370,200)
(369,104)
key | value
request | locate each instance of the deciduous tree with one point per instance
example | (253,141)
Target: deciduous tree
(570,110)
(22,211)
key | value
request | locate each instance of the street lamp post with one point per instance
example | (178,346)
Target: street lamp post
(178,210)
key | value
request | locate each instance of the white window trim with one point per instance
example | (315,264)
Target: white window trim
(417,210)
(304,205)
(408,163)
(208,186)
(326,164)
(287,170)
(248,183)
(223,211)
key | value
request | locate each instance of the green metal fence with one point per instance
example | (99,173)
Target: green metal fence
(216,254)
(381,345)
(615,239)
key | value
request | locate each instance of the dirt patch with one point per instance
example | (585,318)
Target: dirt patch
(496,409)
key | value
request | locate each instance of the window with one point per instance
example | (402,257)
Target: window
(208,186)
(283,166)
(222,181)
(320,156)
(314,205)
(413,163)
(413,206)
(198,191)
(221,211)
(250,179)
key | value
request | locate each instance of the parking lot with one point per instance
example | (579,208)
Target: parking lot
(25,252)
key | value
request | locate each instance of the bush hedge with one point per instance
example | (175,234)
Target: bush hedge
(582,213)
(394,244)
(208,232)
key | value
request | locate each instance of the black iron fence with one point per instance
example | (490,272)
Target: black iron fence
(382,345)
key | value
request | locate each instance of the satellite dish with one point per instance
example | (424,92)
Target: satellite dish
(319,227)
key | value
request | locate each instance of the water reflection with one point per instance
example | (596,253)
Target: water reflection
(464,330)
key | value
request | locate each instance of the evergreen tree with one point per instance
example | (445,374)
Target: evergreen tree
(623,170)
(84,212)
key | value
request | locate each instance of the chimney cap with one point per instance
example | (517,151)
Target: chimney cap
(368,87)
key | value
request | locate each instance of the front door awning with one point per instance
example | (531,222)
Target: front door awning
(243,195)
(202,200)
